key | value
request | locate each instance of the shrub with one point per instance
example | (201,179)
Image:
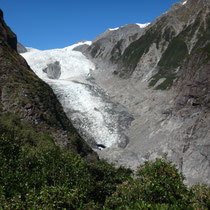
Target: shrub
(53,178)
(157,182)
(200,196)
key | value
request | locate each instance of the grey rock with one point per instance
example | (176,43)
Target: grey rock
(112,43)
(81,48)
(53,70)
(21,48)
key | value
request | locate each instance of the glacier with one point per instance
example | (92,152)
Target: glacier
(99,121)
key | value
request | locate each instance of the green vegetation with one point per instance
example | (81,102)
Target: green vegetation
(158,185)
(174,54)
(29,137)
(57,179)
(172,58)
(135,51)
(177,51)
(203,35)
(52,178)
(166,84)
(30,109)
(138,48)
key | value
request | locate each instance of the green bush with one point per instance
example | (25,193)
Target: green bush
(157,182)
(57,179)
(53,177)
(200,196)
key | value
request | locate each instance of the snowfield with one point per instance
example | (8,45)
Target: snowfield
(73,63)
(84,103)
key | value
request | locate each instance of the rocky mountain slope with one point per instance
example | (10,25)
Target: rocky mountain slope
(161,75)
(29,110)
(146,94)
(21,48)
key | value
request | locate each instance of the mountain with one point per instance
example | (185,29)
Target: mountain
(160,74)
(29,110)
(142,90)
(21,48)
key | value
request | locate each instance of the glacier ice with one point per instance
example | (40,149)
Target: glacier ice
(90,110)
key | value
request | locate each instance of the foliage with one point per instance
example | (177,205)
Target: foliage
(170,60)
(200,196)
(174,54)
(57,179)
(137,49)
(158,185)
(53,178)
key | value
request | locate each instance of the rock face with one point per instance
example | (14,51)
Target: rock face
(53,70)
(111,44)
(161,75)
(21,48)
(7,37)
(28,107)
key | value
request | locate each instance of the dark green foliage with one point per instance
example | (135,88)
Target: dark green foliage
(167,83)
(135,51)
(105,177)
(174,54)
(158,185)
(30,138)
(203,35)
(164,184)
(200,196)
(52,178)
(157,182)
(57,179)
(171,59)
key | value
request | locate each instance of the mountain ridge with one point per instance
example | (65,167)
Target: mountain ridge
(162,78)
(29,109)
(158,78)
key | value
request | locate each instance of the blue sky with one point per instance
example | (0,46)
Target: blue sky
(48,24)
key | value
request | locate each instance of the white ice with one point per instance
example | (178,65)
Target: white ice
(113,29)
(142,25)
(75,97)
(184,2)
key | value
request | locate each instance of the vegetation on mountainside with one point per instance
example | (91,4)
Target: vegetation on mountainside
(135,51)
(52,177)
(33,104)
(177,51)
(170,60)
(56,179)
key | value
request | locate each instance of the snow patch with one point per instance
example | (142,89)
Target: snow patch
(72,63)
(184,2)
(113,29)
(142,25)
